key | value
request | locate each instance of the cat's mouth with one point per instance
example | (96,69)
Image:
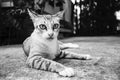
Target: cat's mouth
(50,38)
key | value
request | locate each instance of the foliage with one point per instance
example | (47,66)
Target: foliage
(97,16)
(15,21)
(16,15)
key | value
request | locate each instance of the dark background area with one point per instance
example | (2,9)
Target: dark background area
(97,18)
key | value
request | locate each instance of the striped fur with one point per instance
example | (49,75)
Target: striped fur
(41,51)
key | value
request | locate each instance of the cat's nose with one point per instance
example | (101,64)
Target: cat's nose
(51,34)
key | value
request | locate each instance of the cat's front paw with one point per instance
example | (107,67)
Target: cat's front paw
(67,72)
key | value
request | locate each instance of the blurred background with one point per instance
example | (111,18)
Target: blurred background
(82,18)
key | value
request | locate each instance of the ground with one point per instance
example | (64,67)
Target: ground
(13,67)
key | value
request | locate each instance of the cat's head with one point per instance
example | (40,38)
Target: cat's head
(46,26)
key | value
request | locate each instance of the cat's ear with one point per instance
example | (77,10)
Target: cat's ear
(33,14)
(60,14)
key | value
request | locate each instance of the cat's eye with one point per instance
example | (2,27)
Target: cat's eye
(43,27)
(56,26)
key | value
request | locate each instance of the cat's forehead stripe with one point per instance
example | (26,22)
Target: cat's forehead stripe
(44,22)
(48,17)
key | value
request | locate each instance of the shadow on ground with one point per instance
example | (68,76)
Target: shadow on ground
(12,61)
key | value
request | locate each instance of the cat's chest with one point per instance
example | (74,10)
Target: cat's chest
(48,48)
(52,47)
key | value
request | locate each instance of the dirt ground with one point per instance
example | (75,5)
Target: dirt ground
(12,61)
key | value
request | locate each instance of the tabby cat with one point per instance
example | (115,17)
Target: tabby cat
(42,48)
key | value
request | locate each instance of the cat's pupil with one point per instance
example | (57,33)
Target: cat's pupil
(55,26)
(43,27)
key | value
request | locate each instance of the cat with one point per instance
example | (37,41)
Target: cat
(42,48)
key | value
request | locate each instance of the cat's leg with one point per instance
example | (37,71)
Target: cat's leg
(72,55)
(38,62)
(67,45)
